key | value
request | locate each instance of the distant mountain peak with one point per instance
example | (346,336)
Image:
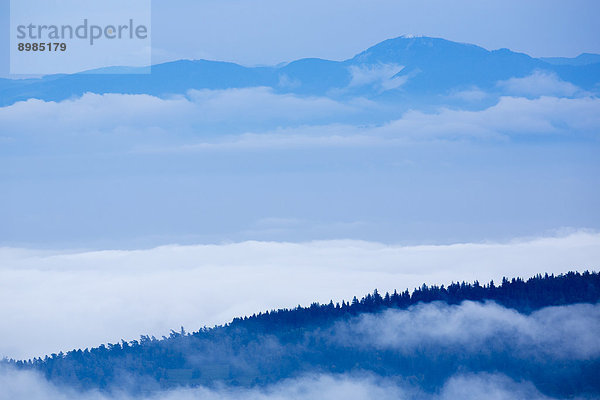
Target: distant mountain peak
(410,48)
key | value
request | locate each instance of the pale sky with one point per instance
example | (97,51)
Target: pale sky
(271,31)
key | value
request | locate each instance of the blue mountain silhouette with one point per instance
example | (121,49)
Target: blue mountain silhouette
(422,66)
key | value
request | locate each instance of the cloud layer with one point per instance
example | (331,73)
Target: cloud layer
(25,385)
(347,167)
(540,83)
(267,119)
(552,334)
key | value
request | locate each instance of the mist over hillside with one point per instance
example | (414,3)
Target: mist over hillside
(541,331)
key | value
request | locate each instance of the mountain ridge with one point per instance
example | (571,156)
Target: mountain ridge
(430,66)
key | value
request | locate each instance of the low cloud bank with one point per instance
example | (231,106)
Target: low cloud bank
(485,330)
(259,117)
(540,83)
(28,385)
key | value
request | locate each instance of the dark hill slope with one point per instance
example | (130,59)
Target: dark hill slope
(271,346)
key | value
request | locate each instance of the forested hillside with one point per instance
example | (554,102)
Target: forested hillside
(522,329)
